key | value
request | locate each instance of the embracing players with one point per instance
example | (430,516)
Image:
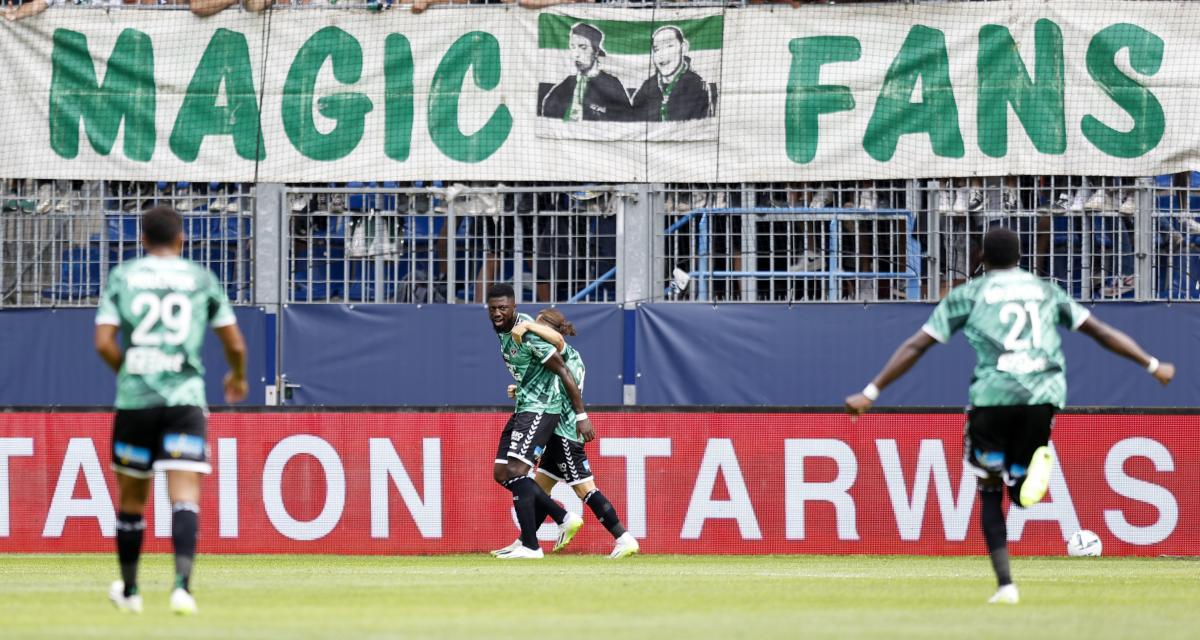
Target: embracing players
(542,377)
(565,459)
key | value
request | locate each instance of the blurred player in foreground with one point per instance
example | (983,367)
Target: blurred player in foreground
(1009,317)
(160,305)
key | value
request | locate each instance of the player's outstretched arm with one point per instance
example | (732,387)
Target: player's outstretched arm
(235,354)
(583,423)
(901,361)
(108,347)
(1120,343)
(540,330)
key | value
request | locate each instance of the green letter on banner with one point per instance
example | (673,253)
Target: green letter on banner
(1004,80)
(348,109)
(227,60)
(128,94)
(923,56)
(481,52)
(1145,56)
(397,97)
(806,99)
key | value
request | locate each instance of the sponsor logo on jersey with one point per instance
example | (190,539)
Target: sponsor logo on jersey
(127,453)
(1020,363)
(146,361)
(178,445)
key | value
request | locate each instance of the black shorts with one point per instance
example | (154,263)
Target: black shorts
(168,438)
(525,437)
(565,461)
(999,442)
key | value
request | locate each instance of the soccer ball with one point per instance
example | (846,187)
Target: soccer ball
(1084,543)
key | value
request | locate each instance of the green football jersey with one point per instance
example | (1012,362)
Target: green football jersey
(538,388)
(163,306)
(566,425)
(1010,318)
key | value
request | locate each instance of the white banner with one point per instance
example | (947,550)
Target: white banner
(595,94)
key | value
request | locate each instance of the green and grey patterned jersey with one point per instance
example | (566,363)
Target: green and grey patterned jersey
(1010,318)
(162,306)
(538,388)
(566,425)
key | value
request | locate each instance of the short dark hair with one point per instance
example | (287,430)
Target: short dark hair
(501,290)
(161,225)
(1001,248)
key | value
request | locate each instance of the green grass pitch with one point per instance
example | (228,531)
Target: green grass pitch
(576,597)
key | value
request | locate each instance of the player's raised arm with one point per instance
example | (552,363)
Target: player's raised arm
(542,331)
(1120,343)
(555,364)
(901,361)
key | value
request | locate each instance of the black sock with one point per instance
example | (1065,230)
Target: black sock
(995,533)
(548,507)
(185,524)
(605,512)
(1014,492)
(129,548)
(524,493)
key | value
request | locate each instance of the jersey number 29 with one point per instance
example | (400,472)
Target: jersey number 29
(174,310)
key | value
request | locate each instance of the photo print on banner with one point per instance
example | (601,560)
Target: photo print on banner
(654,80)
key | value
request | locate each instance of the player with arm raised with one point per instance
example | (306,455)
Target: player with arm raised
(565,454)
(542,378)
(1009,317)
(159,306)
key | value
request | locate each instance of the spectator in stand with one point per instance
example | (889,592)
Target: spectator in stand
(205,8)
(23,10)
(419,6)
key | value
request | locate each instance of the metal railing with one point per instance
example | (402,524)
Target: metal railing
(437,243)
(59,239)
(793,255)
(1100,238)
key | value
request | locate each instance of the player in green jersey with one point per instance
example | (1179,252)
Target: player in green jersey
(1009,317)
(542,378)
(565,459)
(158,307)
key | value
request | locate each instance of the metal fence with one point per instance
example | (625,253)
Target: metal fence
(790,243)
(59,239)
(1100,238)
(874,241)
(437,243)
